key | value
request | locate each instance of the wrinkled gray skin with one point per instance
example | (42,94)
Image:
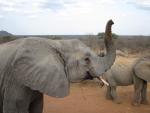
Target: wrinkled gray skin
(142,76)
(120,74)
(33,66)
(127,71)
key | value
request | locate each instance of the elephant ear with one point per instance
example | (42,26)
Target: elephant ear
(142,70)
(42,70)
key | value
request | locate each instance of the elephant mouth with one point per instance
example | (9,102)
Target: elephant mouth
(88,76)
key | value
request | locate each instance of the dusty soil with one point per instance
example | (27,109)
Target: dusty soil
(90,98)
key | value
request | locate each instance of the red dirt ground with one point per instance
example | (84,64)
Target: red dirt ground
(90,98)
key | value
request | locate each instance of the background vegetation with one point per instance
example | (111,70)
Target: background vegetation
(128,44)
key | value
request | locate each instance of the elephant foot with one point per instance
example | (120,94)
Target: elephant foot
(145,102)
(117,101)
(108,97)
(136,104)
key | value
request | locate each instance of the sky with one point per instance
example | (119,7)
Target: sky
(74,17)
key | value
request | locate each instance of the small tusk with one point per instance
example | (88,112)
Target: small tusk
(104,81)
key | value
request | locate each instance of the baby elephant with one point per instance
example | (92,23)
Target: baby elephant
(127,71)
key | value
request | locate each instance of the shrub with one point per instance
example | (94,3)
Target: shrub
(4,39)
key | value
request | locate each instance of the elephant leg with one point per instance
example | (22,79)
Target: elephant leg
(114,95)
(37,105)
(15,106)
(138,86)
(1,105)
(144,93)
(17,99)
(108,93)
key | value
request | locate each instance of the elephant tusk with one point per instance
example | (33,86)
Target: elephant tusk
(104,81)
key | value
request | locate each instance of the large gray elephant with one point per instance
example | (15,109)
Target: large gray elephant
(33,66)
(142,76)
(128,71)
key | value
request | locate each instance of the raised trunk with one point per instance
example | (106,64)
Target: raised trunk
(110,56)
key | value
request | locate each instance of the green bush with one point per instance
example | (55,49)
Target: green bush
(4,39)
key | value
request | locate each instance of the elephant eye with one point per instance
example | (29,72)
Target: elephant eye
(87,60)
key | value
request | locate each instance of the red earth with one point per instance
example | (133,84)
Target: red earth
(90,98)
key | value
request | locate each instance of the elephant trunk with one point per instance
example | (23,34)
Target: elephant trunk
(110,56)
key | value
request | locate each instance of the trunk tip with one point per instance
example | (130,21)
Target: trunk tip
(110,22)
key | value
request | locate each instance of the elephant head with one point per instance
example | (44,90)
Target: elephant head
(49,65)
(94,65)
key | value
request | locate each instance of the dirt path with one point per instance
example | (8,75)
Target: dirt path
(90,98)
